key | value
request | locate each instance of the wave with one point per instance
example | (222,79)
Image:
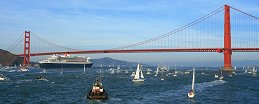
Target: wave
(115,99)
(25,80)
(201,86)
(174,93)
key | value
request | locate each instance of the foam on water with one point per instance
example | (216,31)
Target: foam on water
(199,87)
(115,99)
(23,81)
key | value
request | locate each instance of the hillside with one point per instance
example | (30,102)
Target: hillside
(110,61)
(7,58)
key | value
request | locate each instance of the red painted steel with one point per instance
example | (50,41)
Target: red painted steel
(26,54)
(147,51)
(227,40)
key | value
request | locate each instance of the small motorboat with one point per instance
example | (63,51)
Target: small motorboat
(162,79)
(97,92)
(186,72)
(41,78)
(148,71)
(2,77)
(24,69)
(133,74)
(216,75)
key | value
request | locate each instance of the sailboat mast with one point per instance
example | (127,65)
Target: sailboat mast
(193,78)
(221,72)
(61,70)
(175,68)
(84,68)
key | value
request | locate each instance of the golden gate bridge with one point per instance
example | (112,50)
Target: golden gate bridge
(239,30)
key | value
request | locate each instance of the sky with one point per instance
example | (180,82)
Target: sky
(105,24)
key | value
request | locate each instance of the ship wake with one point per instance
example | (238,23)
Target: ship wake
(176,95)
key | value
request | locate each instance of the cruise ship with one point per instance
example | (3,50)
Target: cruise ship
(66,61)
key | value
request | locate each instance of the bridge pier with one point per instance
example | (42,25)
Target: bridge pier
(26,54)
(227,51)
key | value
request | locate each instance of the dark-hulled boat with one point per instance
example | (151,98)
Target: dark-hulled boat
(97,92)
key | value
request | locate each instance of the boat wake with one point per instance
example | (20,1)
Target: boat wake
(178,94)
(24,81)
(115,99)
(201,86)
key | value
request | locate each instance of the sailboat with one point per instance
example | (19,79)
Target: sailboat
(2,77)
(118,70)
(126,71)
(235,68)
(221,77)
(249,70)
(254,71)
(162,76)
(191,94)
(148,71)
(175,72)
(157,70)
(245,71)
(139,77)
(112,71)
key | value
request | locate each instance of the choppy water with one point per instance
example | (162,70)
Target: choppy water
(72,86)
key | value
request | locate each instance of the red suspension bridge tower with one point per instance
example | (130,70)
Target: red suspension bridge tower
(227,51)
(26,54)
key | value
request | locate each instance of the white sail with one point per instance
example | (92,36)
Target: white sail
(221,77)
(157,69)
(44,71)
(193,78)
(137,73)
(141,74)
(254,70)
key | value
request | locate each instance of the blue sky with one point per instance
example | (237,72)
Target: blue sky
(104,24)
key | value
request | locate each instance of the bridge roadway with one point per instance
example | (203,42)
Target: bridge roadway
(219,50)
